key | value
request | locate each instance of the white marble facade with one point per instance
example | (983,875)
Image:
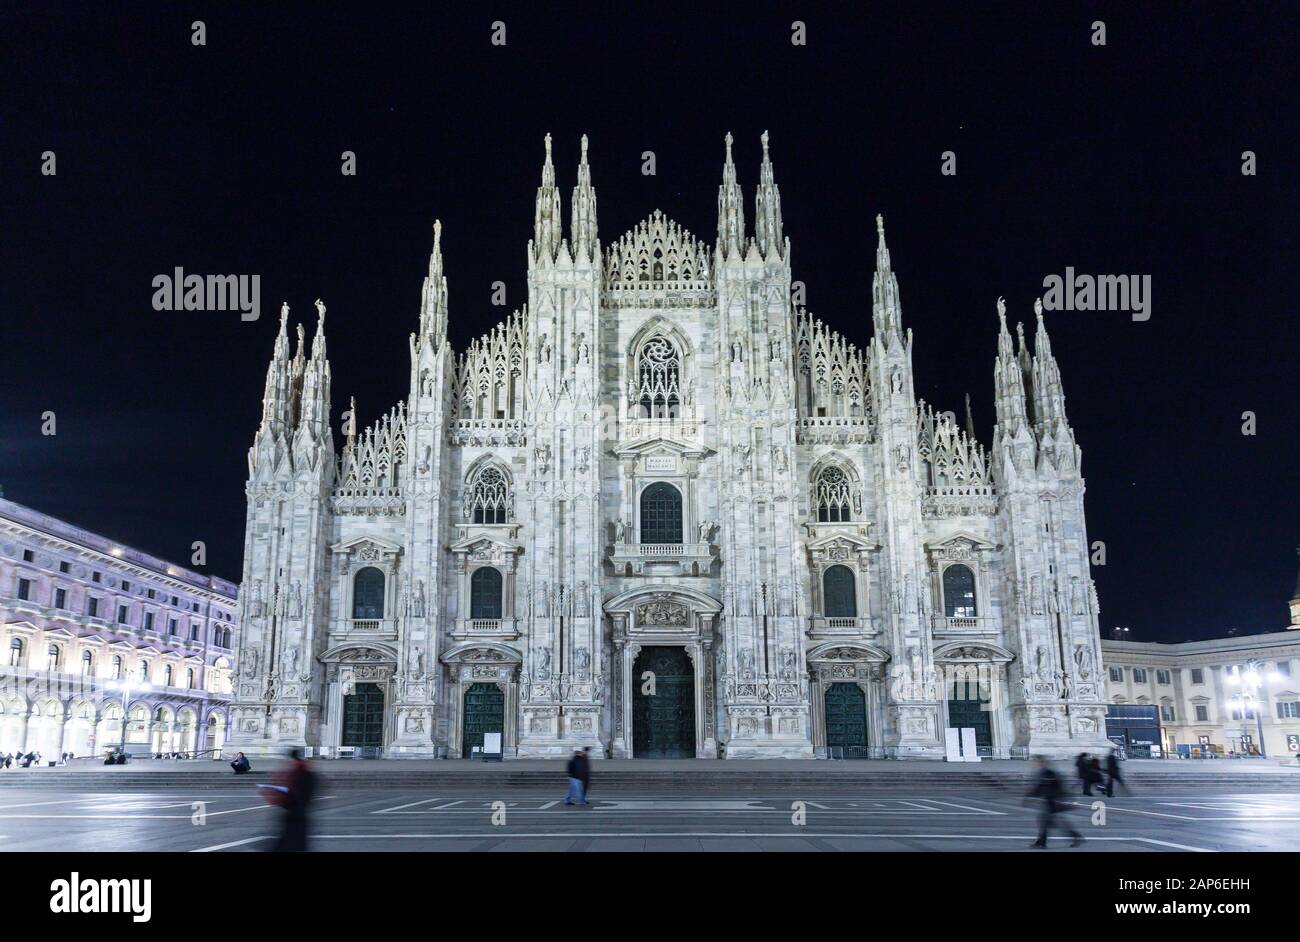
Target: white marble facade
(663,450)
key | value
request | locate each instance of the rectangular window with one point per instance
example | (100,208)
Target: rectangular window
(60,598)
(1288,710)
(121,614)
(1202,713)
(28,556)
(1162,678)
(173,600)
(152,594)
(64,567)
(126,586)
(1167,712)
(1117,675)
(148,621)
(95,576)
(92,607)
(25,589)
(1198,675)
(171,626)
(1139,675)
(1284,668)
(194,632)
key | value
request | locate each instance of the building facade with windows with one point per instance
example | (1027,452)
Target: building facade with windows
(1199,690)
(80,613)
(664,511)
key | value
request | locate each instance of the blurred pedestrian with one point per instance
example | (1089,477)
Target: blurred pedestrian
(241,765)
(293,793)
(1081,767)
(1047,789)
(1114,776)
(579,771)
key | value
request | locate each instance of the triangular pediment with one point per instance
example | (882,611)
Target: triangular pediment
(654,253)
(841,541)
(660,445)
(485,546)
(367,543)
(963,540)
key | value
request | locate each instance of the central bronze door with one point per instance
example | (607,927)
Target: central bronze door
(663,704)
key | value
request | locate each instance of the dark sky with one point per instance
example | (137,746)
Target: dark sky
(1119,159)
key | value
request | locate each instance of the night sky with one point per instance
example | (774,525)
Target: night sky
(1122,159)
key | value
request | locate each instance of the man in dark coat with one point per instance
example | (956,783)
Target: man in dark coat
(241,765)
(1114,776)
(1083,767)
(1047,789)
(579,771)
(297,785)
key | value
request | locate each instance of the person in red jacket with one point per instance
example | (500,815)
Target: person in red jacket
(293,793)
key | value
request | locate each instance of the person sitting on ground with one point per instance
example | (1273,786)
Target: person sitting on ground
(241,764)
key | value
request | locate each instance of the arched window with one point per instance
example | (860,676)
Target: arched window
(831,496)
(52,658)
(489,496)
(167,676)
(87,664)
(16,653)
(839,596)
(189,678)
(485,593)
(143,669)
(959,592)
(661,514)
(117,666)
(658,369)
(368,594)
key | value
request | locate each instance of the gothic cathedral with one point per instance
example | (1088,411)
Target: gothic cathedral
(663,511)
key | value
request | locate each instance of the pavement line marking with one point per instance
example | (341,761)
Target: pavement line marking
(953,804)
(422,801)
(1190,817)
(247,840)
(549,804)
(737,836)
(122,817)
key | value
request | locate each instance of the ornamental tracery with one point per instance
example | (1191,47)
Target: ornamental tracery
(489,498)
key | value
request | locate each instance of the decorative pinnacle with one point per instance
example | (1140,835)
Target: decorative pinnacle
(284,313)
(584,148)
(880,224)
(1038,307)
(728,139)
(764,140)
(547,139)
(437,234)
(320,308)
(1002,307)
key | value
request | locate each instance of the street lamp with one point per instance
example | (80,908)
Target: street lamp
(1119,634)
(127,687)
(1250,680)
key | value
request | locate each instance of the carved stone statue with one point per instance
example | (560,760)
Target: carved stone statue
(1002,307)
(581,661)
(1043,664)
(544,663)
(418,602)
(620,530)
(896,381)
(746,665)
(1083,661)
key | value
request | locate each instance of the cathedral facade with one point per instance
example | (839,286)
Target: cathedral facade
(663,511)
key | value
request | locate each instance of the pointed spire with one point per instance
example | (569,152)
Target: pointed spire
(318,340)
(885,308)
(731,210)
(1008,379)
(767,209)
(277,393)
(350,438)
(970,420)
(547,233)
(1049,398)
(583,220)
(433,295)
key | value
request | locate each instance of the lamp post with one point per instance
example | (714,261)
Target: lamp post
(1250,680)
(1119,634)
(127,687)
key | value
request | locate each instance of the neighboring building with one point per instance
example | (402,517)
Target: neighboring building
(1192,685)
(664,466)
(78,612)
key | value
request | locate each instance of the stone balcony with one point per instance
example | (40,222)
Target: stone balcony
(688,559)
(955,626)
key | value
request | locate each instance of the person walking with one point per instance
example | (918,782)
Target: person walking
(1114,775)
(579,771)
(293,793)
(1084,772)
(1047,789)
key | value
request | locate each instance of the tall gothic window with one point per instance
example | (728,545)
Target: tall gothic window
(959,592)
(831,496)
(839,597)
(485,593)
(659,370)
(489,496)
(368,594)
(661,514)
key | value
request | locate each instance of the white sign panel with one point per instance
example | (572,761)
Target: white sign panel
(492,743)
(661,463)
(969,751)
(952,744)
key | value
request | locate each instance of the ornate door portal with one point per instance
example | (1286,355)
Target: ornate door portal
(663,705)
(485,712)
(846,721)
(363,717)
(973,713)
